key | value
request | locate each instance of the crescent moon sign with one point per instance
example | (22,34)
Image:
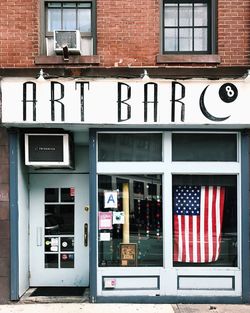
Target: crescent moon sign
(205,111)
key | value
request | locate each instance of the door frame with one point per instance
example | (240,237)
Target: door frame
(79,181)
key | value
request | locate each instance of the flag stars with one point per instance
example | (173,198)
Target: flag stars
(187,200)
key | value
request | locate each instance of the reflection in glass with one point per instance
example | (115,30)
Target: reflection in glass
(204,147)
(51,195)
(59,219)
(67,260)
(58,222)
(205,220)
(51,244)
(67,243)
(51,260)
(137,219)
(129,147)
(68,194)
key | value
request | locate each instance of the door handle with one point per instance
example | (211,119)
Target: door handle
(86,235)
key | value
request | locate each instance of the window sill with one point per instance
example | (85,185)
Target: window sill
(188,58)
(73,59)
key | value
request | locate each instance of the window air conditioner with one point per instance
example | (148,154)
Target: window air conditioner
(67,38)
(48,150)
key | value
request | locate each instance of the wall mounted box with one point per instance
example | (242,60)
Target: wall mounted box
(48,150)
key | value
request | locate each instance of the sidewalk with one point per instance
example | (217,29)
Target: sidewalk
(123,308)
(86,308)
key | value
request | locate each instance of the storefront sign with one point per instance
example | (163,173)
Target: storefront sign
(125,102)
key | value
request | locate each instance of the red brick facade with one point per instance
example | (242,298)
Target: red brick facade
(128,33)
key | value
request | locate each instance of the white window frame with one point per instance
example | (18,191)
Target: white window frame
(167,168)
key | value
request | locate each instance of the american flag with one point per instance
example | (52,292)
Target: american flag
(198,216)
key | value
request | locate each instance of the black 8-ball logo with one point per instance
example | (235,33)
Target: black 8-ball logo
(228,92)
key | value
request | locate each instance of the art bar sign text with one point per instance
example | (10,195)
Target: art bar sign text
(125,102)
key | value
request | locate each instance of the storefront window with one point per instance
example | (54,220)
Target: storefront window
(130,220)
(204,147)
(129,147)
(205,220)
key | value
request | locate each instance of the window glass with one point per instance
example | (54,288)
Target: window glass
(130,220)
(204,147)
(186,14)
(171,39)
(51,195)
(129,147)
(69,16)
(68,194)
(204,220)
(200,14)
(186,39)
(200,39)
(171,14)
(69,19)
(54,19)
(186,26)
(84,20)
(69,4)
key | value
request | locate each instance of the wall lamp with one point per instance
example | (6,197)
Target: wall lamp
(145,76)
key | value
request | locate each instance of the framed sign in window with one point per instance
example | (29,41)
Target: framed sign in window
(128,254)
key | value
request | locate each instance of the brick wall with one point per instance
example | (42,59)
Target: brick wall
(4,219)
(234,31)
(128,32)
(19,32)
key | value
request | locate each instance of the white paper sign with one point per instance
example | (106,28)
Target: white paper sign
(54,242)
(110,199)
(105,220)
(118,217)
(104,236)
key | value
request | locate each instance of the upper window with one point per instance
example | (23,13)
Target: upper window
(68,23)
(69,16)
(187,26)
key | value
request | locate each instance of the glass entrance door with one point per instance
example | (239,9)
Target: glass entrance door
(59,230)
